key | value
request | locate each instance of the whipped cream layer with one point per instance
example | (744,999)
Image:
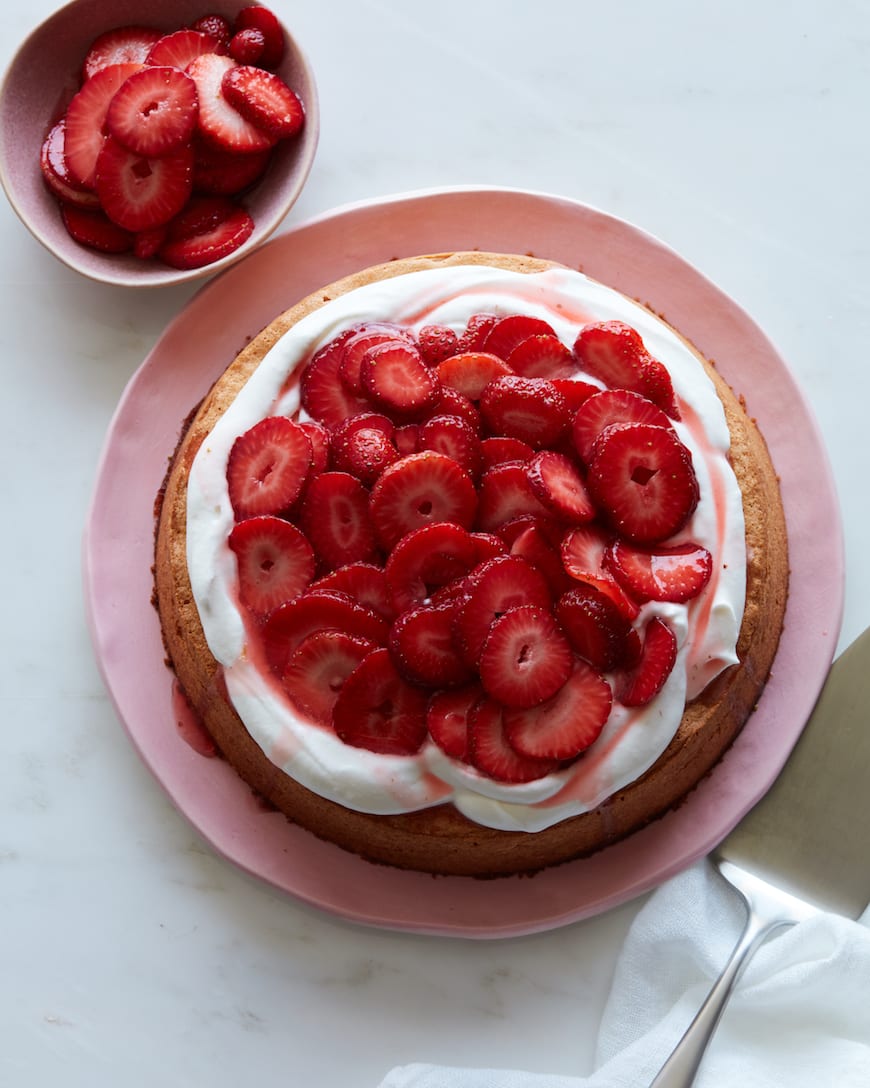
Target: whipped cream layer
(706,627)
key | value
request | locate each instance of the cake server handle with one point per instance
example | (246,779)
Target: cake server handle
(767,909)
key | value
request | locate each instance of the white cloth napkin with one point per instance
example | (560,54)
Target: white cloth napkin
(800,1015)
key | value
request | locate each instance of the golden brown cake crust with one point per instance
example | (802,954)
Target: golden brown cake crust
(441,840)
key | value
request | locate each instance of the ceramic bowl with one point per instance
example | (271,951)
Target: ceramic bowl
(44,75)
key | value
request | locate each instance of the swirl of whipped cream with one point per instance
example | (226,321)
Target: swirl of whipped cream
(632,740)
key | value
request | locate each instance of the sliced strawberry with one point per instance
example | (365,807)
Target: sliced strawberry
(405,438)
(596,628)
(378,710)
(364,452)
(225,173)
(264,99)
(147,242)
(658,655)
(436,343)
(261,18)
(505,493)
(498,450)
(181,48)
(154,111)
(219,122)
(541,356)
(318,610)
(614,353)
(454,437)
(575,391)
(560,487)
(366,583)
(362,421)
(423,648)
(487,546)
(525,658)
(86,118)
(215,25)
(507,333)
(123,45)
(470,372)
(673,574)
(369,335)
(318,436)
(335,517)
(490,753)
(565,725)
(275,561)
(476,330)
(268,467)
(611,406)
(427,558)
(323,395)
(139,192)
(499,584)
(395,377)
(531,409)
(246,46)
(642,477)
(419,489)
(447,718)
(535,546)
(318,668)
(512,530)
(206,230)
(55,173)
(452,403)
(583,550)
(90,227)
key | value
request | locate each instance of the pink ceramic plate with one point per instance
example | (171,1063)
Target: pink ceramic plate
(118,556)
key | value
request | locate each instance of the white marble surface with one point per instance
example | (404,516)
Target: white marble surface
(129,953)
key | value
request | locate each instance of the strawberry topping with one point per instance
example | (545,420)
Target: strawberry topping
(668,574)
(420,489)
(267,467)
(276,562)
(525,658)
(378,710)
(658,656)
(447,718)
(566,724)
(490,752)
(335,516)
(318,668)
(615,353)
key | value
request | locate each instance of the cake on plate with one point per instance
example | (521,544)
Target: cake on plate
(471,565)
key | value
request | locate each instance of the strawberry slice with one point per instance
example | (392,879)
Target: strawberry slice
(268,467)
(499,584)
(318,668)
(318,436)
(181,48)
(455,438)
(531,409)
(507,333)
(225,173)
(370,335)
(420,489)
(260,18)
(426,559)
(395,377)
(247,46)
(658,655)
(154,111)
(405,438)
(565,725)
(505,493)
(218,121)
(366,583)
(147,242)
(436,343)
(139,192)
(674,574)
(264,99)
(541,356)
(318,610)
(596,628)
(490,753)
(575,391)
(642,477)
(614,352)
(525,658)
(560,487)
(476,330)
(470,372)
(91,227)
(364,451)
(611,406)
(487,546)
(423,648)
(498,450)
(55,173)
(447,718)
(123,45)
(215,25)
(378,710)
(324,396)
(335,517)
(86,118)
(534,544)
(206,230)
(583,550)
(452,403)
(275,562)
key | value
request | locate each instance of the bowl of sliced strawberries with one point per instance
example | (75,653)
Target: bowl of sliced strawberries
(150,145)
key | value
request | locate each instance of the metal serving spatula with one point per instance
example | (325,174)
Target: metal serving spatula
(805,847)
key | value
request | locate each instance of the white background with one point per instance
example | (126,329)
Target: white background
(129,953)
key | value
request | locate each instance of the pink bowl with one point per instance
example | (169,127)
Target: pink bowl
(30,102)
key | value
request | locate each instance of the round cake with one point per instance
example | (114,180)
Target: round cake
(470,564)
